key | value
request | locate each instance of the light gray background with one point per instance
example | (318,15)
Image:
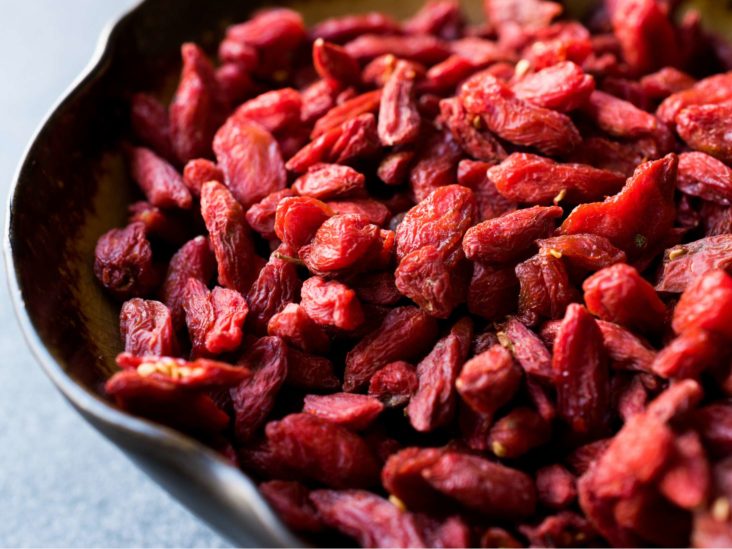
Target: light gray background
(61,483)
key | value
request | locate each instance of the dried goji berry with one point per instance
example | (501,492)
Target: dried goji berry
(518,432)
(195,112)
(555,487)
(706,128)
(665,82)
(405,334)
(151,124)
(199,171)
(123,262)
(712,90)
(274,111)
(626,351)
(344,28)
(394,384)
(399,120)
(253,399)
(421,48)
(276,285)
(468,131)
(707,304)
(295,326)
(335,117)
(489,380)
(331,303)
(373,210)
(509,237)
(230,237)
(355,412)
(435,164)
(434,403)
(562,87)
(325,181)
(322,451)
(250,159)
(333,62)
(581,372)
(619,294)
(440,18)
(310,372)
(291,501)
(517,121)
(545,289)
(638,216)
(528,350)
(487,488)
(146,327)
(531,179)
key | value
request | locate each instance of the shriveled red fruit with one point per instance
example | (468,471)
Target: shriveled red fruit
(435,164)
(215,318)
(165,225)
(310,372)
(534,14)
(581,372)
(492,291)
(684,263)
(562,87)
(405,334)
(490,203)
(331,303)
(339,114)
(517,121)
(712,90)
(517,433)
(584,251)
(623,119)
(344,28)
(276,285)
(234,83)
(162,400)
(193,260)
(707,304)
(563,41)
(357,140)
(375,211)
(343,243)
(290,499)
(146,327)
(646,34)
(371,520)
(333,62)
(446,75)
(620,294)
(528,350)
(275,110)
(298,218)
(438,283)
(440,220)
(437,17)
(691,353)
(545,289)
(626,351)
(322,451)
(162,184)
(509,237)
(565,529)
(199,171)
(399,119)
(706,177)
(636,218)
(250,159)
(261,216)
(468,131)
(487,488)
(197,375)
(394,384)
(151,124)
(325,181)
(355,412)
(195,112)
(706,128)
(376,288)
(123,262)
(275,34)
(665,82)
(434,403)
(254,398)
(555,486)
(532,179)
(423,49)
(299,330)
(230,237)
(489,380)
(394,167)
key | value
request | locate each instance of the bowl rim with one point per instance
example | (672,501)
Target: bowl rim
(85,402)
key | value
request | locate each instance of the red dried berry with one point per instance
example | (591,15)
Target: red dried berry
(394,384)
(151,124)
(291,501)
(545,289)
(276,285)
(199,171)
(146,327)
(489,380)
(562,87)
(581,372)
(230,237)
(405,334)
(355,412)
(706,304)
(399,120)
(706,128)
(123,262)
(509,237)
(326,181)
(331,303)
(517,433)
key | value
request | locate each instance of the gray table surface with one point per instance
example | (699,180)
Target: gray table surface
(61,483)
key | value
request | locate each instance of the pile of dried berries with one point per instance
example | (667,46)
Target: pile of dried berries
(443,285)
